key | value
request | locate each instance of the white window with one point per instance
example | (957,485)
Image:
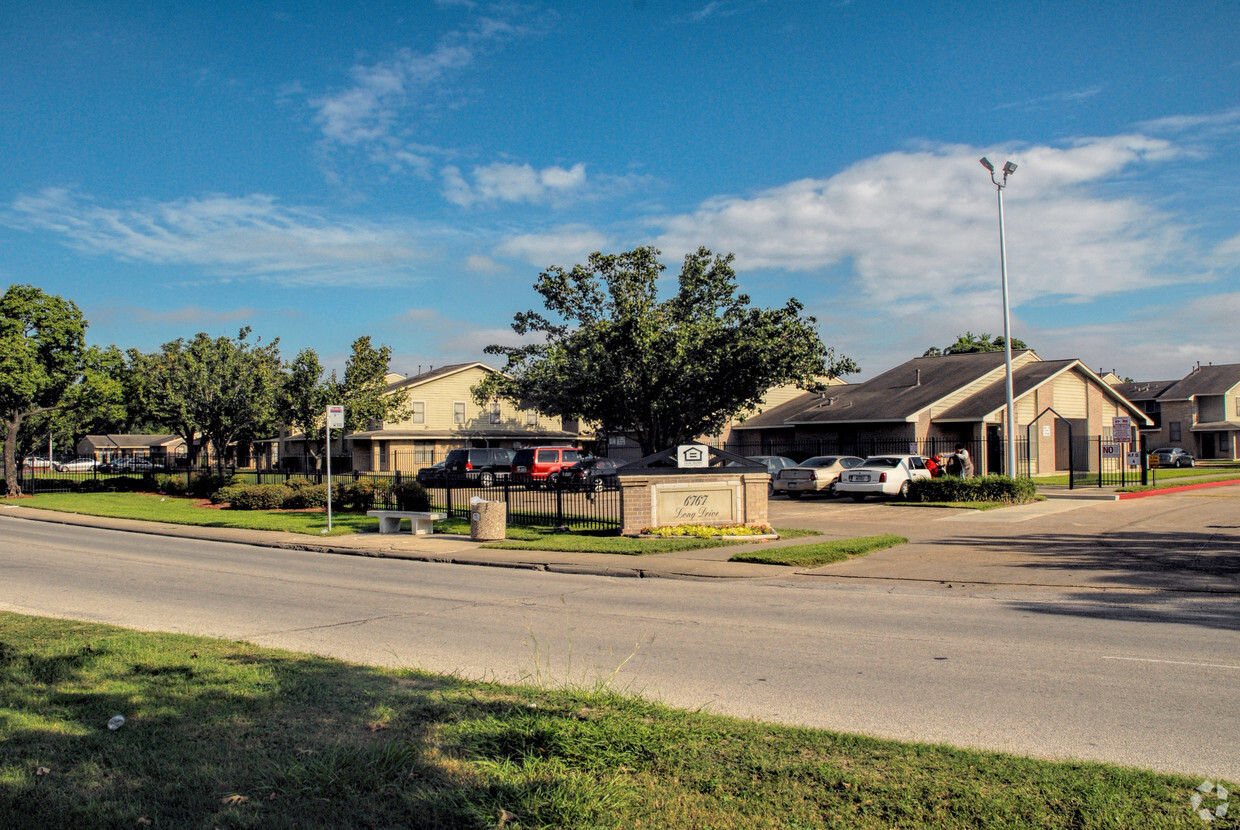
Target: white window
(419,412)
(495,413)
(1173,429)
(531,416)
(458,412)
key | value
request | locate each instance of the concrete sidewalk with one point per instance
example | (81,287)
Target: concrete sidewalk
(1064,543)
(710,563)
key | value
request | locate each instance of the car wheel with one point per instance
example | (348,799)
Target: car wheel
(1179,462)
(858,496)
(833,491)
(486,479)
(904,488)
(1191,462)
(596,485)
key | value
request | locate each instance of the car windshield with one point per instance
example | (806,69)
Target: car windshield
(821,461)
(1167,450)
(882,461)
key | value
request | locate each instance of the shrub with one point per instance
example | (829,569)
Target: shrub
(204,485)
(985,488)
(303,493)
(225,495)
(357,495)
(171,485)
(129,484)
(92,485)
(259,496)
(409,495)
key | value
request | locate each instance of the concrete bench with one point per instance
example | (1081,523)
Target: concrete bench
(423,523)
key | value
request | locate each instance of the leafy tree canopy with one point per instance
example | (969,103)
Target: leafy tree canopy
(224,388)
(969,342)
(611,352)
(42,351)
(306,392)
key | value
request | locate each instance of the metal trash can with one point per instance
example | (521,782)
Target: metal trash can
(488,520)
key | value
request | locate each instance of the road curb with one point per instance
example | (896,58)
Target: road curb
(1177,489)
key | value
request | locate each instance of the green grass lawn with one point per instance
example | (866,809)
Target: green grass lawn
(184,511)
(818,553)
(229,735)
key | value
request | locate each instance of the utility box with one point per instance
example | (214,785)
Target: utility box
(488,520)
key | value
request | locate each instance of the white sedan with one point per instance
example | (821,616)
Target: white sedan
(883,475)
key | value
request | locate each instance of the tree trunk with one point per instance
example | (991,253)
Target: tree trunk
(10,456)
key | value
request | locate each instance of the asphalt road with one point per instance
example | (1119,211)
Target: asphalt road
(1044,671)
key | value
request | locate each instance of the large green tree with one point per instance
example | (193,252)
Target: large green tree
(611,352)
(221,388)
(101,401)
(307,390)
(42,350)
(969,343)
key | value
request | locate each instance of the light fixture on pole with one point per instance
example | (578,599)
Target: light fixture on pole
(1009,417)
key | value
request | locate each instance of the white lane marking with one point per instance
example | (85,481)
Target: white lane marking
(1174,662)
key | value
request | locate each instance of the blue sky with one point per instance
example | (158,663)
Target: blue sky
(405,170)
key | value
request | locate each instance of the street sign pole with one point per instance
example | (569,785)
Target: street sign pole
(335,420)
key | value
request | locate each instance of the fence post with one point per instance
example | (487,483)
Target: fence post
(447,489)
(1099,462)
(560,527)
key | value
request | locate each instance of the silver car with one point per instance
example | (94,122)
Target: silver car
(1173,457)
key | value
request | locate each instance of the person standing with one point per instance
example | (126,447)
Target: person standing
(966,462)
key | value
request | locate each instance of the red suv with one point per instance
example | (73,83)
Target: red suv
(533,465)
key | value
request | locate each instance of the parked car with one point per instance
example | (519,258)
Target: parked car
(883,475)
(37,462)
(484,465)
(1173,457)
(125,464)
(774,463)
(592,474)
(819,474)
(432,476)
(533,465)
(76,465)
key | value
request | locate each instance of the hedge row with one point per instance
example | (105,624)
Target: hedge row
(298,494)
(985,488)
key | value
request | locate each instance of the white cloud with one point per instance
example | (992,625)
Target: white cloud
(918,226)
(566,246)
(500,182)
(483,265)
(372,115)
(252,236)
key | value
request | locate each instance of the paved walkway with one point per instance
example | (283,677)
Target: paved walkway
(1053,543)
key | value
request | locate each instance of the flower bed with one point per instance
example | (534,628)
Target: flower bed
(711,531)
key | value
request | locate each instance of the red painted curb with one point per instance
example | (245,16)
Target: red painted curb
(1179,489)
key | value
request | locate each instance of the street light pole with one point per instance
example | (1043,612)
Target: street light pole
(1009,417)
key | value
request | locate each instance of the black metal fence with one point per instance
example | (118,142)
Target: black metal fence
(555,507)
(567,508)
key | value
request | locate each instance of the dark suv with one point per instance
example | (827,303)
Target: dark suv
(486,466)
(537,465)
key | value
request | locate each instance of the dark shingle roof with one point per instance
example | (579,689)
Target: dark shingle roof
(1204,380)
(1144,390)
(994,397)
(900,393)
(435,373)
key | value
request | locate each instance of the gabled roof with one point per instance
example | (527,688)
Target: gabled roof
(900,394)
(1025,379)
(1204,380)
(1144,390)
(131,442)
(932,383)
(435,374)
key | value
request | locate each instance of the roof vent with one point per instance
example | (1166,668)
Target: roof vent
(918,383)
